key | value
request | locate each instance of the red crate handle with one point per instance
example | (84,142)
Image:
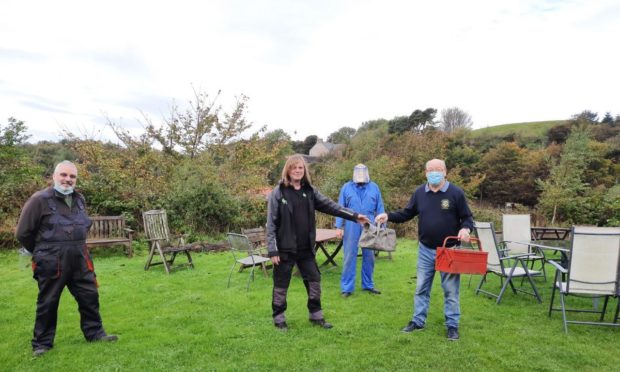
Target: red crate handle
(476,240)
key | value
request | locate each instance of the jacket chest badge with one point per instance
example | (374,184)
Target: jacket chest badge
(284,201)
(445,204)
(304,194)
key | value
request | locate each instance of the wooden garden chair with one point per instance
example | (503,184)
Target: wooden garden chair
(158,236)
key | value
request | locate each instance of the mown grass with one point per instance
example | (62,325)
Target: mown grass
(191,321)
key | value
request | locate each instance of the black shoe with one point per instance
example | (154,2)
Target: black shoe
(372,291)
(321,323)
(346,294)
(410,327)
(453,334)
(39,351)
(106,338)
(281,326)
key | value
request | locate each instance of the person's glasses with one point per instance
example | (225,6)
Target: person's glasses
(72,176)
(434,169)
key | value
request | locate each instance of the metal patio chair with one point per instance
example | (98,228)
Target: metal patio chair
(516,232)
(246,255)
(593,270)
(502,263)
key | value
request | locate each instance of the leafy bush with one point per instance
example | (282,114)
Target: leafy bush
(207,207)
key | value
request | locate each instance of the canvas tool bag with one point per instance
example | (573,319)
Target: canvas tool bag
(456,260)
(378,238)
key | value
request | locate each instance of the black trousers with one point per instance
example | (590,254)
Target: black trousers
(311,276)
(55,267)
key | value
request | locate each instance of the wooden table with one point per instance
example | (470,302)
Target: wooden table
(324,236)
(550,233)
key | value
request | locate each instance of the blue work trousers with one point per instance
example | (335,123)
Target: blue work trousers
(347,280)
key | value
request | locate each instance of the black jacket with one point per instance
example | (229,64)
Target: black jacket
(280,230)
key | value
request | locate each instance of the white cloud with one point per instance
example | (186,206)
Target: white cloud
(309,67)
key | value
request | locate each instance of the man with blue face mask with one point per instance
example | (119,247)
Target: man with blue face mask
(443,211)
(362,196)
(53,226)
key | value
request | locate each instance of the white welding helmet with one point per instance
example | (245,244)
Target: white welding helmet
(360,174)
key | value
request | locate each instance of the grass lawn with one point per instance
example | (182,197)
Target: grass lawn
(531,129)
(190,321)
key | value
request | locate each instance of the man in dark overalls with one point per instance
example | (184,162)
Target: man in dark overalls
(53,225)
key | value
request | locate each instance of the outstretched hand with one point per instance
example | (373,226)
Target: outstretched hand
(362,219)
(381,218)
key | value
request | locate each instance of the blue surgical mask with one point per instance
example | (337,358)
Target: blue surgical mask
(62,190)
(434,178)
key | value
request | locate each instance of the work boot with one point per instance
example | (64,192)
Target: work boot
(372,291)
(282,326)
(453,334)
(411,326)
(106,338)
(321,323)
(39,351)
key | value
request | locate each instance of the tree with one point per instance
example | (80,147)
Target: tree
(276,136)
(422,119)
(454,118)
(559,133)
(19,176)
(399,125)
(201,126)
(303,147)
(586,116)
(342,135)
(14,133)
(373,124)
(417,122)
(561,191)
(510,174)
(608,119)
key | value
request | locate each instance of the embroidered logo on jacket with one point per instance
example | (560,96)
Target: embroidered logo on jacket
(445,204)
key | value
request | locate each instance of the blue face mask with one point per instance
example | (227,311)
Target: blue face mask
(434,178)
(62,190)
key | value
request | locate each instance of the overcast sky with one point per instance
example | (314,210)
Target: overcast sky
(308,67)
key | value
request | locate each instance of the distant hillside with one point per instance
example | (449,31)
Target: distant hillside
(532,129)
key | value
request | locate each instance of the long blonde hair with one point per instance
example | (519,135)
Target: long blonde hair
(291,162)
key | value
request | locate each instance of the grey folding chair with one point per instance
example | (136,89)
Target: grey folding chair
(501,263)
(246,255)
(592,271)
(518,228)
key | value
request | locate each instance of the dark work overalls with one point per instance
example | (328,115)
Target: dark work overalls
(61,258)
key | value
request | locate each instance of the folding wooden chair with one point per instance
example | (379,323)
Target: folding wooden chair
(158,235)
(593,271)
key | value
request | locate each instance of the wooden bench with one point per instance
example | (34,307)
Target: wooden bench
(109,231)
(258,238)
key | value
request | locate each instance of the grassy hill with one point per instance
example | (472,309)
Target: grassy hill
(530,130)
